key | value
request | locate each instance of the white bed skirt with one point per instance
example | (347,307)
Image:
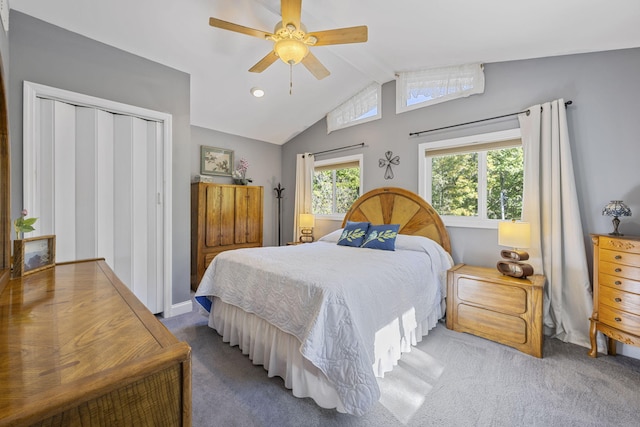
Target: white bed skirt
(279,352)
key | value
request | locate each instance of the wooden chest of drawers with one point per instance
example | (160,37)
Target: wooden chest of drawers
(482,301)
(616,291)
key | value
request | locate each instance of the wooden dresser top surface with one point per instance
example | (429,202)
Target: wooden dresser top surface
(70,327)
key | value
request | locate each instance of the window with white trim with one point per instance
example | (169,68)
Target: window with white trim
(417,89)
(362,107)
(474,181)
(337,183)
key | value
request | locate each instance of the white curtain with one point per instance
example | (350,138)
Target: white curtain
(304,185)
(551,206)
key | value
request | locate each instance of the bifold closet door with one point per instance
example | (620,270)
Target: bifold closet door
(99,181)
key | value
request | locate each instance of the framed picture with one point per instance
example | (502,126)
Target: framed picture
(33,254)
(215,161)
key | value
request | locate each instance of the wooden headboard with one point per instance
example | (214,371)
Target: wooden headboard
(390,205)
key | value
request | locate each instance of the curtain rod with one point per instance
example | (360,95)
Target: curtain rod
(338,149)
(527,112)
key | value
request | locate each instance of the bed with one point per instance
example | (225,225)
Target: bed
(330,318)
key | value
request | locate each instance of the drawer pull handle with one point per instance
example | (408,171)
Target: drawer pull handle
(618,257)
(618,270)
(617,300)
(617,319)
(617,282)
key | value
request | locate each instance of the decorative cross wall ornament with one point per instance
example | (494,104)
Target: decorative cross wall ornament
(388,161)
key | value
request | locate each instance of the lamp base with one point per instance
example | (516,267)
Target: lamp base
(616,223)
(306,235)
(514,269)
(514,255)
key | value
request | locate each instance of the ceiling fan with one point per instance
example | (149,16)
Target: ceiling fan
(291,40)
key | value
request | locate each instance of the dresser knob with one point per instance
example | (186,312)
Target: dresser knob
(617,282)
(617,319)
(618,257)
(618,270)
(617,300)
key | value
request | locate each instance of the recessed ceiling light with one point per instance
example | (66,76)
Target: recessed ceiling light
(257,92)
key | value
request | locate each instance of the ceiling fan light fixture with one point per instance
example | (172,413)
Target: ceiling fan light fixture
(291,51)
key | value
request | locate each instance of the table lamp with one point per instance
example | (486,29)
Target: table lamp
(616,208)
(306,223)
(517,235)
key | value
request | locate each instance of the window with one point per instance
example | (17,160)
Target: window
(474,181)
(336,185)
(362,107)
(417,89)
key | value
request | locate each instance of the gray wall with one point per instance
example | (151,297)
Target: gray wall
(603,126)
(265,164)
(46,54)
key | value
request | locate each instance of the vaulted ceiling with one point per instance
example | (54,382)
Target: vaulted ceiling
(402,35)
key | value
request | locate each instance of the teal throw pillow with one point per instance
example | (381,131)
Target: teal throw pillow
(381,237)
(353,234)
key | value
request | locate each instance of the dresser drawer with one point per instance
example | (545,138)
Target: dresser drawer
(503,298)
(619,319)
(620,300)
(619,270)
(620,244)
(498,326)
(621,283)
(619,257)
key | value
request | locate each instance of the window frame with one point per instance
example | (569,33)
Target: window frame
(424,174)
(337,161)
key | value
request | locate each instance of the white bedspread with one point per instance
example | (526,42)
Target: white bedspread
(333,299)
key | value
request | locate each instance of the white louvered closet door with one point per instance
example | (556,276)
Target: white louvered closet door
(99,180)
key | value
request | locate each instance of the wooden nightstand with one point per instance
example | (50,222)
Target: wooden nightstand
(483,302)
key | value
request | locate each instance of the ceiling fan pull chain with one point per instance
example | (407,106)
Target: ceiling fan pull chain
(290,78)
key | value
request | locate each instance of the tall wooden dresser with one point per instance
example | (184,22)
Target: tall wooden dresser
(616,291)
(223,217)
(77,348)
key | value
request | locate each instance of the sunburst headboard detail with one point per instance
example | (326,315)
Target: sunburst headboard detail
(391,205)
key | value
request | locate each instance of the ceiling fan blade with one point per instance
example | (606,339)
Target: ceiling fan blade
(341,35)
(262,65)
(315,67)
(291,10)
(219,23)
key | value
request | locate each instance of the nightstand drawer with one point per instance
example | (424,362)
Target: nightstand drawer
(621,283)
(490,324)
(629,323)
(620,270)
(619,300)
(619,257)
(503,298)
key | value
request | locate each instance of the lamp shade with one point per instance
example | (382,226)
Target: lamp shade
(616,208)
(514,234)
(307,220)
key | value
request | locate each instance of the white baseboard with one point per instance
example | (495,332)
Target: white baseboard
(179,308)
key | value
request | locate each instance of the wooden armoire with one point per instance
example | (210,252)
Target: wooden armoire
(223,217)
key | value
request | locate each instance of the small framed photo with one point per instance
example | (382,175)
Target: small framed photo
(33,254)
(215,161)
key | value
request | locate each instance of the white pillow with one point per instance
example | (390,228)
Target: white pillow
(332,237)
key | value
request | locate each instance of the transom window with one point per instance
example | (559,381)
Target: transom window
(336,185)
(474,181)
(362,107)
(417,89)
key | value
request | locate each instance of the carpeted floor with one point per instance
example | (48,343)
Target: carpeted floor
(449,379)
